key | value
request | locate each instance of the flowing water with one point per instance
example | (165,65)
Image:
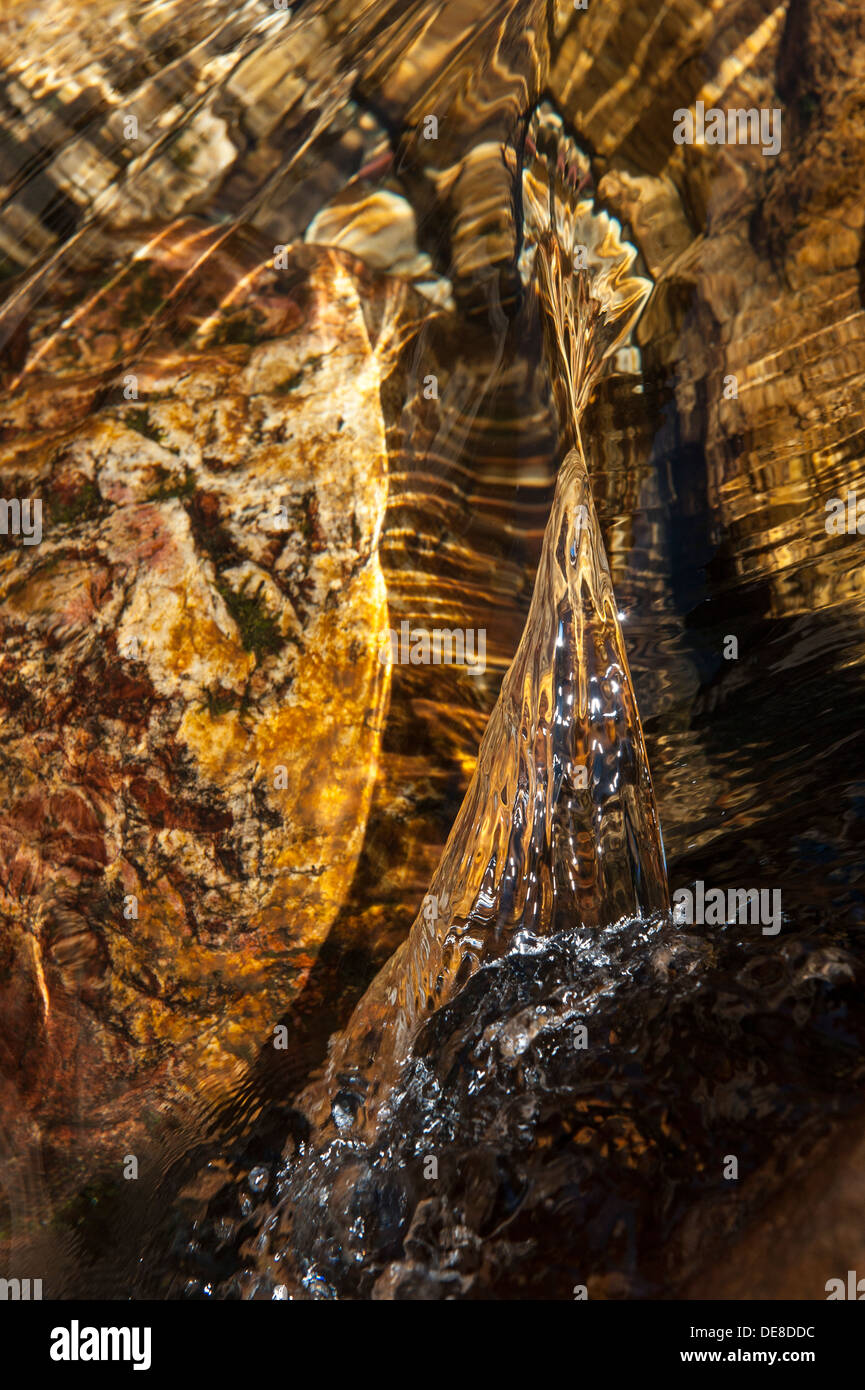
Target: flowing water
(436,283)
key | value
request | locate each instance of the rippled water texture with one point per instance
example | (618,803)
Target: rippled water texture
(328,968)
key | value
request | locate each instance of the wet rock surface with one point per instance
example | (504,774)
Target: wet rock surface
(182,812)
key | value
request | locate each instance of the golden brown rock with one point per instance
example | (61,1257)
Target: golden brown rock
(193,696)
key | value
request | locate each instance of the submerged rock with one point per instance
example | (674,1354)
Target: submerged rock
(182,811)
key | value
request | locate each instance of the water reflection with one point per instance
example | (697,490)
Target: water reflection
(714,440)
